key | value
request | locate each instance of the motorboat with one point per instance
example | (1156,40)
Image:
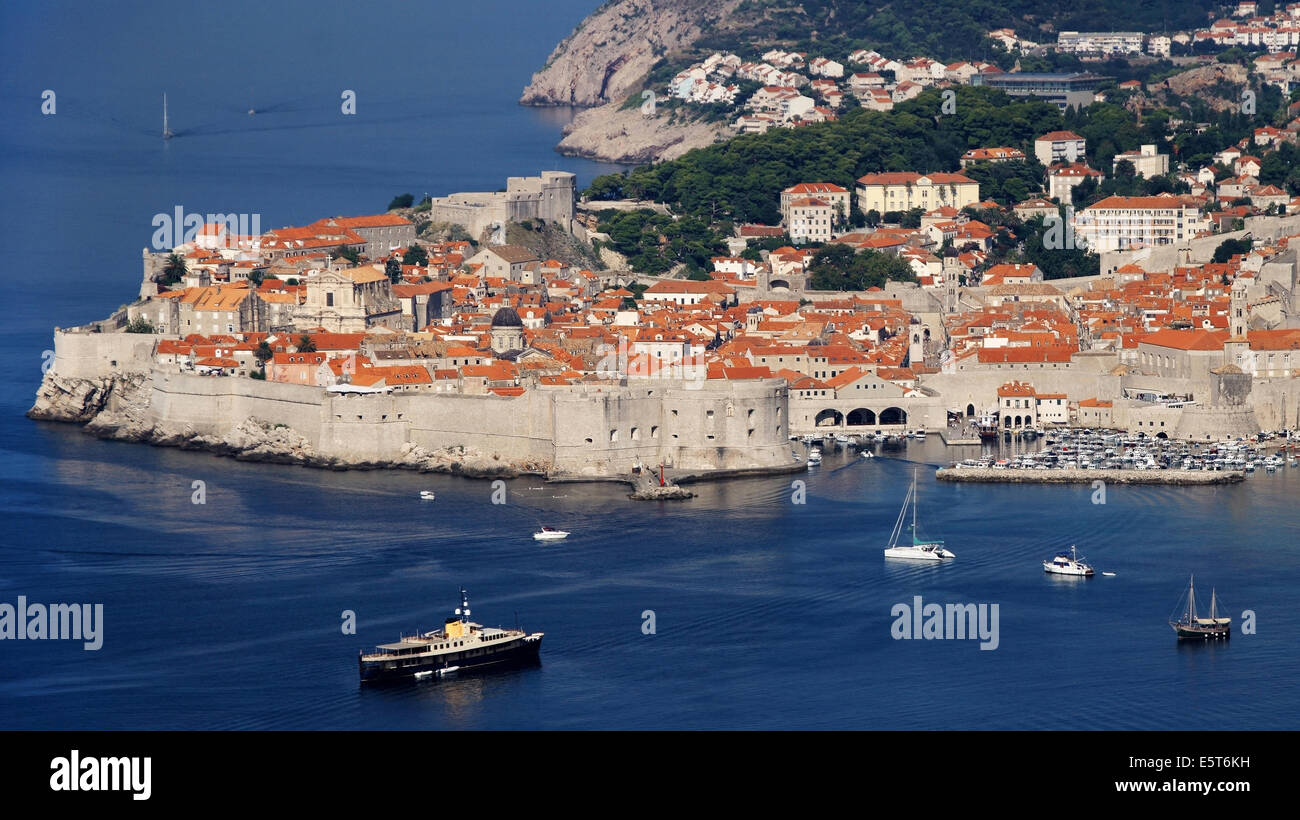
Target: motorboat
(1068,563)
(550,534)
(426,495)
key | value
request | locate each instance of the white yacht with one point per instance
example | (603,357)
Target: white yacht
(1068,564)
(918,550)
(814,457)
(426,495)
(550,534)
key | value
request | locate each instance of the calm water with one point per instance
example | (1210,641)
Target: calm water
(769,614)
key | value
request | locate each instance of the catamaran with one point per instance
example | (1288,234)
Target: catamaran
(918,550)
(1190,626)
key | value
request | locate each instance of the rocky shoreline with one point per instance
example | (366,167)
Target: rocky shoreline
(1069,476)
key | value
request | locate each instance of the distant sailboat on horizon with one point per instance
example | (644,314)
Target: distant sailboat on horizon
(167,131)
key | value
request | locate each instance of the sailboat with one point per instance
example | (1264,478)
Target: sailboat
(167,131)
(1190,626)
(918,550)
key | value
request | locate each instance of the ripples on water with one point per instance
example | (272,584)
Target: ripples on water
(769,614)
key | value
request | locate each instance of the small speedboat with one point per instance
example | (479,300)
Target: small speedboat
(441,672)
(550,534)
(868,454)
(426,495)
(421,675)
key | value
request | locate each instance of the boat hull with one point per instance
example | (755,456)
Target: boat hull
(911,554)
(521,652)
(1077,573)
(1194,633)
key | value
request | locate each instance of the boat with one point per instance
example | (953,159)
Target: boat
(1068,563)
(426,495)
(868,454)
(1190,626)
(814,457)
(550,534)
(460,644)
(918,550)
(920,434)
(988,427)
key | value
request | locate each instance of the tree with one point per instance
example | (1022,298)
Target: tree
(351,254)
(1229,248)
(401,201)
(140,325)
(394,270)
(263,354)
(415,255)
(306,344)
(174,270)
(873,217)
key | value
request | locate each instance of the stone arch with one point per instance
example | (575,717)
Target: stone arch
(970,411)
(778,284)
(829,417)
(1162,435)
(893,415)
(860,417)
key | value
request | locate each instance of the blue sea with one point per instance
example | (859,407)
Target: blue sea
(766,613)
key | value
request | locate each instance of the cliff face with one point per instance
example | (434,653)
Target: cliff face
(606,57)
(610,135)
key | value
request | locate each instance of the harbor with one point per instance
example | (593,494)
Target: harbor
(1068,475)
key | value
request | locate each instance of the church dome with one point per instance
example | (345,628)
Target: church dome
(507,317)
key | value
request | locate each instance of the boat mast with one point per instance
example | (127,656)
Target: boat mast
(1191,600)
(167,132)
(464,605)
(913,506)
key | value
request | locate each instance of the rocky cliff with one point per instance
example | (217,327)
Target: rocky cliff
(609,53)
(609,134)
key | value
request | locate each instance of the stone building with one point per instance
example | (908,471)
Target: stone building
(507,331)
(382,232)
(551,197)
(349,301)
(504,261)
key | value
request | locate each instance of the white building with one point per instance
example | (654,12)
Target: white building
(1060,146)
(1120,222)
(1146,162)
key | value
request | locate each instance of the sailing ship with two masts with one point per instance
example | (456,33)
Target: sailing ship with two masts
(1189,625)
